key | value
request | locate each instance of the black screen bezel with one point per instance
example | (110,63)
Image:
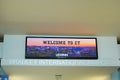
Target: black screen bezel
(62,38)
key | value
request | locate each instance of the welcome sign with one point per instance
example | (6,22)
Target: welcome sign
(61,48)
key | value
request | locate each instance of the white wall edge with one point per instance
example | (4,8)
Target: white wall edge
(1,49)
(119,51)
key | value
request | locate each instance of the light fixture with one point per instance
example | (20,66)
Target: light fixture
(58,77)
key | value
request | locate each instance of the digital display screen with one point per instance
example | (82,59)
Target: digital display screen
(61,48)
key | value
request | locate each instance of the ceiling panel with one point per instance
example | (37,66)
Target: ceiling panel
(67,72)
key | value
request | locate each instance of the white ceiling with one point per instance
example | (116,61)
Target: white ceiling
(67,72)
(60,17)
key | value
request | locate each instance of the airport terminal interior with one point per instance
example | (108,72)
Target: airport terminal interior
(60,39)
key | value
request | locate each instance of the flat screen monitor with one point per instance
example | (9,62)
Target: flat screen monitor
(61,48)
